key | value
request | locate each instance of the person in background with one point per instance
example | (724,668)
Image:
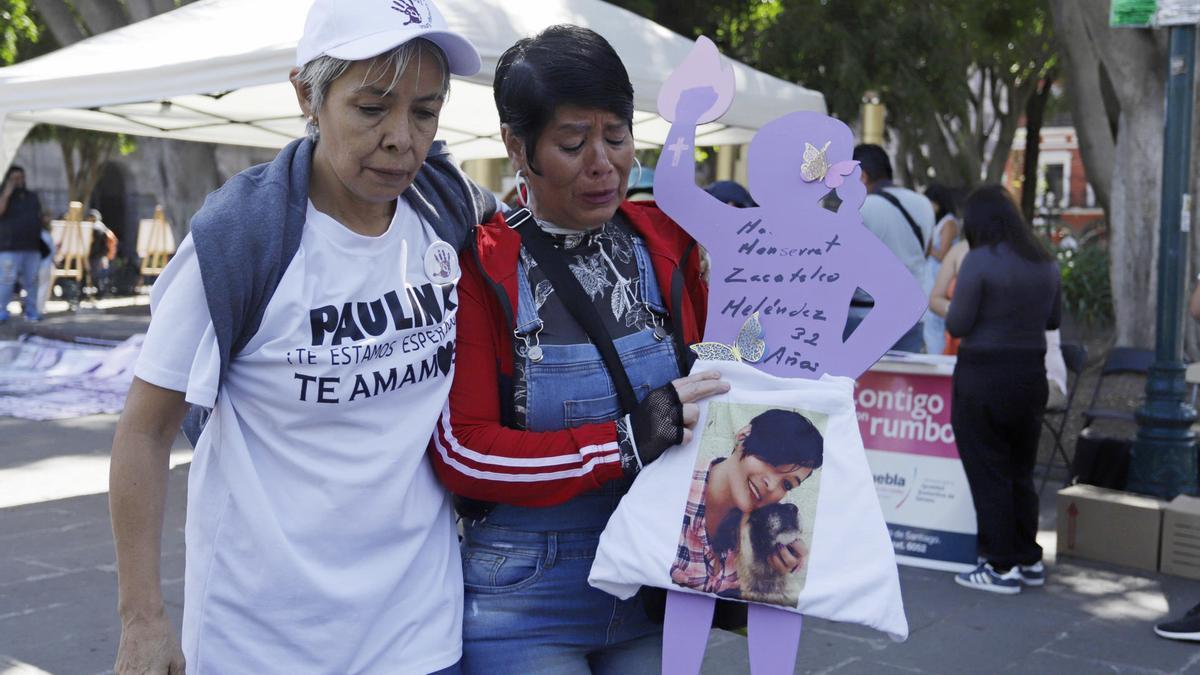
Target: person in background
(903,220)
(732,193)
(945,233)
(1194,301)
(102,251)
(943,291)
(939,303)
(1006,298)
(537,433)
(20,243)
(1186,627)
(45,269)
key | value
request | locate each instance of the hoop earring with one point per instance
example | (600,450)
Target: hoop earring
(522,187)
(639,167)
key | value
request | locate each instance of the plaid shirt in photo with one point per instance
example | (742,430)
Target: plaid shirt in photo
(696,565)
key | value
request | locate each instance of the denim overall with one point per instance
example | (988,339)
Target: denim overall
(528,606)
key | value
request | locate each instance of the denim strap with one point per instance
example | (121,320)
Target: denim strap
(575,300)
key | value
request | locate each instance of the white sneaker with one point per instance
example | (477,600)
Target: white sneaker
(1032,575)
(1187,627)
(984,578)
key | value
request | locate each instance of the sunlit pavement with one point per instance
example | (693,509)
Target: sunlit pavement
(58,588)
(58,580)
(57,572)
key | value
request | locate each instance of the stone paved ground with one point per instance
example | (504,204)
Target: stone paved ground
(58,593)
(58,583)
(109,319)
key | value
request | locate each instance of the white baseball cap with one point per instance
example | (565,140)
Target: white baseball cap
(354,30)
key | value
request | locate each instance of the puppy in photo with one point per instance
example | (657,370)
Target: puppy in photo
(764,534)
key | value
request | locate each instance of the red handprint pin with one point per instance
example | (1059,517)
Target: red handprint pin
(441,263)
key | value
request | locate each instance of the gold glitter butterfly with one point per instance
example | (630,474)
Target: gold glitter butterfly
(749,347)
(815,165)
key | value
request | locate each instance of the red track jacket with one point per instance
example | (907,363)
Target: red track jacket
(475,456)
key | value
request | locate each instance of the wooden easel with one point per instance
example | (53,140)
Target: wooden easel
(72,241)
(156,243)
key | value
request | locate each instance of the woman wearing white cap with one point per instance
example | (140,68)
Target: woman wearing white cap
(312,309)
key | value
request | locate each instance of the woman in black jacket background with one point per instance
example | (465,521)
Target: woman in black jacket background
(1006,298)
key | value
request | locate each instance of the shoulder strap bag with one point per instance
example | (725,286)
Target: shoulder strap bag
(916,229)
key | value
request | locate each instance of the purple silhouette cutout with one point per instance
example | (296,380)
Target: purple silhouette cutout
(795,260)
(791,259)
(703,67)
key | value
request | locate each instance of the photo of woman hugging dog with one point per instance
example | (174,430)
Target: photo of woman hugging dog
(748,524)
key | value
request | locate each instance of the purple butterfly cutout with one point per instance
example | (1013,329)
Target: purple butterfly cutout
(836,175)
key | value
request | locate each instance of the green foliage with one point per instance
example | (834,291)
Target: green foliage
(74,138)
(943,68)
(126,145)
(903,50)
(954,74)
(18,29)
(1086,291)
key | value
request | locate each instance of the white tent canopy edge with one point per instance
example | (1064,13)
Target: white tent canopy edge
(216,71)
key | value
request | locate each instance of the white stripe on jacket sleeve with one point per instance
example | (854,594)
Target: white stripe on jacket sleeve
(588,456)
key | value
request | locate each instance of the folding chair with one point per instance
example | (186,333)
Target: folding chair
(1075,357)
(1120,361)
(1103,460)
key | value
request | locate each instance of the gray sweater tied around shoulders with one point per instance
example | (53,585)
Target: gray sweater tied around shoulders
(249,229)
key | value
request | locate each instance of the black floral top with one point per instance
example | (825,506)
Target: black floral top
(604,262)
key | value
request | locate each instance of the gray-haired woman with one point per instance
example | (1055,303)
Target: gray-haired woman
(313,309)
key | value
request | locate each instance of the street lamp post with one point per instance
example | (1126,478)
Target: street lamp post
(873,118)
(1163,462)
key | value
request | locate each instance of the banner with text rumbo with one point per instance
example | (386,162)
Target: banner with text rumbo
(905,423)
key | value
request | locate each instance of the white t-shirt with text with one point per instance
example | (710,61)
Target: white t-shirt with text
(318,538)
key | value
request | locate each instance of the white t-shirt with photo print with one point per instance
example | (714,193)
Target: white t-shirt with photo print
(318,538)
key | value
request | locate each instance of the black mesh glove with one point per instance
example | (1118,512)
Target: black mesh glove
(655,425)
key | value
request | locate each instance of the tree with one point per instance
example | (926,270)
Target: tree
(84,155)
(1035,111)
(955,74)
(1115,78)
(64,22)
(18,30)
(1012,50)
(729,23)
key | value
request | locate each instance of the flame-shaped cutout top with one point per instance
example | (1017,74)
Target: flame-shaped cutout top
(703,67)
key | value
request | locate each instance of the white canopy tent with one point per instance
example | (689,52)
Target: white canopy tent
(216,71)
